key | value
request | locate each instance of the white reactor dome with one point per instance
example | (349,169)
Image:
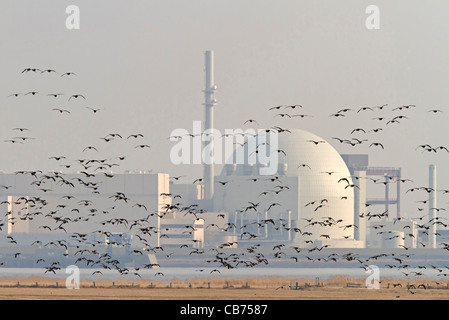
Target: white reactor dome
(326,189)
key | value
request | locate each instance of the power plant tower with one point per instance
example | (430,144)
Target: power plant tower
(432,205)
(209,102)
(359,206)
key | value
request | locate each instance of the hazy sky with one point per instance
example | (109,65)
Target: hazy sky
(141,63)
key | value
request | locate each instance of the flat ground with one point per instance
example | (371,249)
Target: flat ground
(222,289)
(219,294)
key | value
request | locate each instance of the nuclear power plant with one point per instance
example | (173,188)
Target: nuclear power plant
(317,198)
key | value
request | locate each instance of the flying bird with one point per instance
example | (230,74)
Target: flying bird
(364,108)
(30,69)
(76,96)
(280,151)
(68,74)
(301,115)
(282,115)
(61,110)
(90,148)
(93,110)
(357,130)
(135,135)
(57,158)
(55,95)
(48,71)
(377,144)
(336,115)
(251,121)
(316,142)
(294,106)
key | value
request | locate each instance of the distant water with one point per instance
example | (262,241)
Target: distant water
(190,273)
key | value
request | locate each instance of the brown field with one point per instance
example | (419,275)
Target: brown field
(270,288)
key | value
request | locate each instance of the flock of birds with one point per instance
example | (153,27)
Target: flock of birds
(59,98)
(84,248)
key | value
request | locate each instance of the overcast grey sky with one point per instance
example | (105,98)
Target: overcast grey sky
(142,62)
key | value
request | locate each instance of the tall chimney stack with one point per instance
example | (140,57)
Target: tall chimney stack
(209,103)
(432,205)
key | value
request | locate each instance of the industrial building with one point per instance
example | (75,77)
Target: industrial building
(54,205)
(316,198)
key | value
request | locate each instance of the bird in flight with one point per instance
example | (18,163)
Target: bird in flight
(279,151)
(76,96)
(336,115)
(90,148)
(61,110)
(23,138)
(22,129)
(113,135)
(441,148)
(293,106)
(381,107)
(301,115)
(93,110)
(48,71)
(30,69)
(364,108)
(357,130)
(68,74)
(344,110)
(424,146)
(283,115)
(340,140)
(55,94)
(316,142)
(135,135)
(12,141)
(57,158)
(377,144)
(251,121)
(140,206)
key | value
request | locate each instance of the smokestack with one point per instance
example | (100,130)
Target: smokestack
(209,103)
(359,206)
(432,205)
